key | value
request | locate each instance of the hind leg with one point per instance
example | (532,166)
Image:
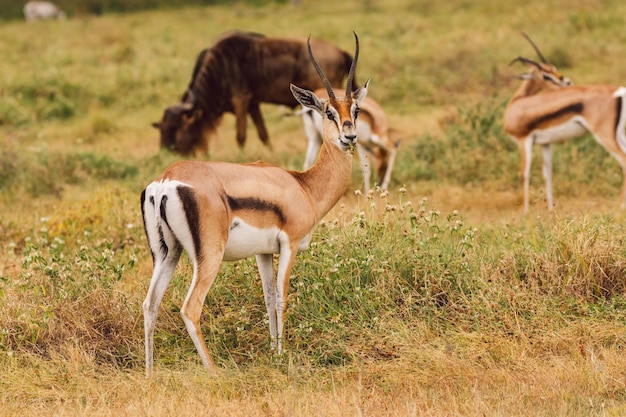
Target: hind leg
(205,272)
(161,277)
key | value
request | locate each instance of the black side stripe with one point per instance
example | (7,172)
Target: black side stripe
(256,204)
(572,108)
(190,206)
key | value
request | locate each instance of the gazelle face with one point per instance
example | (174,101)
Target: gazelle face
(339,115)
(549,74)
(341,118)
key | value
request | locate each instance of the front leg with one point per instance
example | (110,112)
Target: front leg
(288,252)
(240,109)
(391,160)
(257,118)
(526,148)
(265,263)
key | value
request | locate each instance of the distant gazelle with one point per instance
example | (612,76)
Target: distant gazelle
(561,113)
(218,211)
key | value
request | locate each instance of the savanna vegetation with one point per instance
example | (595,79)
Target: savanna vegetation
(437,298)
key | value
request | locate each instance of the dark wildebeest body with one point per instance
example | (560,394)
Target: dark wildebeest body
(238,73)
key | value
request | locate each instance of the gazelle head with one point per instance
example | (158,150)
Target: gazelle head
(544,74)
(339,114)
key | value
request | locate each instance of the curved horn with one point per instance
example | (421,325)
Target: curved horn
(525,61)
(329,88)
(353,66)
(539,54)
(188,100)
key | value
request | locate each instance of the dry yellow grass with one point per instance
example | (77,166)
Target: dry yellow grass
(505,347)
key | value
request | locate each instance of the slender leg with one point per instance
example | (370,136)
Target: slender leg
(161,277)
(265,262)
(526,146)
(257,118)
(288,253)
(546,151)
(204,275)
(240,108)
(390,161)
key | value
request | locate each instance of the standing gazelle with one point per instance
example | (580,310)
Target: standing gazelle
(219,211)
(560,114)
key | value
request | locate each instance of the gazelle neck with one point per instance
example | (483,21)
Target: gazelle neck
(527,88)
(328,179)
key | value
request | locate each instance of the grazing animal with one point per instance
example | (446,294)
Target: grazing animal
(374,140)
(218,211)
(42,10)
(237,74)
(563,112)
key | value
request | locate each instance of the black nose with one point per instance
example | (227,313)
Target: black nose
(351,138)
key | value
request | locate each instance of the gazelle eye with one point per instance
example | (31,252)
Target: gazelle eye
(330,115)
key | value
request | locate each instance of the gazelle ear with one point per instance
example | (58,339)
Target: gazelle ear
(307,98)
(360,93)
(526,76)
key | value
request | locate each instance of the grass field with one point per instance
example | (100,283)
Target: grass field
(438,298)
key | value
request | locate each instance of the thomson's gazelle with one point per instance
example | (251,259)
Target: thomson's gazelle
(219,211)
(563,112)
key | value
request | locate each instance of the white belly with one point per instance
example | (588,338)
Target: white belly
(245,241)
(573,128)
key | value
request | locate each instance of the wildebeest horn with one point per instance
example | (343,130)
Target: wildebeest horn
(353,66)
(188,102)
(539,54)
(329,88)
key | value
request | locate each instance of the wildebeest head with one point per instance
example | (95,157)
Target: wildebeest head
(181,125)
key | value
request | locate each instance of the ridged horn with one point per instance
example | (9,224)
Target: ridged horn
(329,88)
(526,61)
(352,67)
(539,54)
(190,98)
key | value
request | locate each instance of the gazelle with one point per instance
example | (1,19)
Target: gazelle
(374,139)
(219,211)
(560,114)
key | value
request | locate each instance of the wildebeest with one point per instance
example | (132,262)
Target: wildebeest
(237,74)
(42,10)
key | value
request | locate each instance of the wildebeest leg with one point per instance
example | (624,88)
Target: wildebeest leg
(240,108)
(257,118)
